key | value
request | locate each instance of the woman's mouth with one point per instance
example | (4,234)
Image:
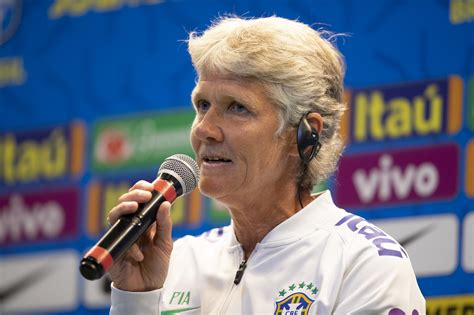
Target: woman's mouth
(215,160)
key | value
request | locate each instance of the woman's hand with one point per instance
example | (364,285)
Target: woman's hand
(144,266)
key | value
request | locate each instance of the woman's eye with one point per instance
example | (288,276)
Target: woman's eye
(203,105)
(238,108)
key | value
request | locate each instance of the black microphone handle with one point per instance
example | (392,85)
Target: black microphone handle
(122,235)
(128,229)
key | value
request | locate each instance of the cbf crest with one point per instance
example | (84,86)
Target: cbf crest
(296,299)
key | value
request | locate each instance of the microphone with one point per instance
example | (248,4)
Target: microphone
(178,175)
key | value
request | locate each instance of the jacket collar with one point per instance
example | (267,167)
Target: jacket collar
(312,217)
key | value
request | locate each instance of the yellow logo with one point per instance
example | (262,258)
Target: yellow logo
(61,8)
(403,111)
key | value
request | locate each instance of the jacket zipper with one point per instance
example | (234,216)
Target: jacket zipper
(240,272)
(237,279)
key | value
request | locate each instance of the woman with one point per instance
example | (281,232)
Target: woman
(268,96)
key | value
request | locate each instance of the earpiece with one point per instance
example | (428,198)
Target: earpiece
(307,140)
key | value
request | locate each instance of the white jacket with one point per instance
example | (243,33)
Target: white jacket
(322,260)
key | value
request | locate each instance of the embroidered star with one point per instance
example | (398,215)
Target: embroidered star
(282,292)
(292,287)
(301,285)
(293,308)
(315,290)
(309,286)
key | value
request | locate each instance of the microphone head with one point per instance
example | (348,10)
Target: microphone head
(184,169)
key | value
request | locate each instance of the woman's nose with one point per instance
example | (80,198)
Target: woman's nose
(207,127)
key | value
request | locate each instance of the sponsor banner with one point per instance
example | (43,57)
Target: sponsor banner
(450,305)
(461,11)
(97,293)
(32,217)
(468,243)
(470,105)
(75,8)
(395,177)
(186,211)
(141,141)
(407,110)
(41,155)
(469,180)
(46,282)
(418,234)
(12,71)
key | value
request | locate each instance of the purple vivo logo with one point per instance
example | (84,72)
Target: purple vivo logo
(397,311)
(38,216)
(412,175)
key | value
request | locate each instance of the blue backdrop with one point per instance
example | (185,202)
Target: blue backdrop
(85,83)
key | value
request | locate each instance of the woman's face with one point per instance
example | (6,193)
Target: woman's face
(234,138)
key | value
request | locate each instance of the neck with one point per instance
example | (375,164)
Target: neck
(254,219)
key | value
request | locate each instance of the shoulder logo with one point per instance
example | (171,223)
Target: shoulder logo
(296,299)
(385,244)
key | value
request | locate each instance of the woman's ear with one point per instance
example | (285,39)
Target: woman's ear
(316,121)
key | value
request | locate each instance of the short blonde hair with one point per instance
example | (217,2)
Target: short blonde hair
(300,69)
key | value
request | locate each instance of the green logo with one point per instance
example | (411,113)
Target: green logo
(181,310)
(140,141)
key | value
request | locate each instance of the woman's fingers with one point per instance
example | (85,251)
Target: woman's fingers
(137,195)
(140,192)
(135,253)
(143,185)
(164,224)
(158,234)
(121,209)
